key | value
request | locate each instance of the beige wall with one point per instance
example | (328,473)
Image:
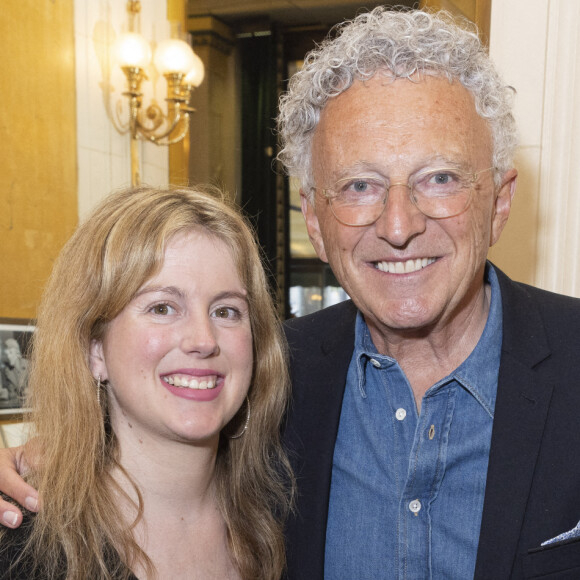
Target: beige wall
(38,159)
(537,46)
(518,47)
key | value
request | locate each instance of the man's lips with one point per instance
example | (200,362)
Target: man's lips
(404,267)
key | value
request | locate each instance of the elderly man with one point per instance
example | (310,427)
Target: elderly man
(433,415)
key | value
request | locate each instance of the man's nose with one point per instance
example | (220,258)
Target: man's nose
(401,220)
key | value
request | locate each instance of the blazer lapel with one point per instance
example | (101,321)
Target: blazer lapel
(321,349)
(522,405)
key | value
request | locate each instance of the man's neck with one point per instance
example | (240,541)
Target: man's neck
(428,355)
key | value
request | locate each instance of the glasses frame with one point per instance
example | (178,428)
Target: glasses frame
(471,177)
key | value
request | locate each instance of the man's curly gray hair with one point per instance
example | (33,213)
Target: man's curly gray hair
(402,44)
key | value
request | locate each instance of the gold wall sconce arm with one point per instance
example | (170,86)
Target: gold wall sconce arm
(183,71)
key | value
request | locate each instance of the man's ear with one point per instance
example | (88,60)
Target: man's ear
(312,225)
(502,204)
(97,360)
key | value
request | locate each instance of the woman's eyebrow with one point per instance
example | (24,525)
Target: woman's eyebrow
(178,293)
(164,289)
(232,294)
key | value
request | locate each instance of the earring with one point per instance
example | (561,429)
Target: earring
(238,435)
(99,390)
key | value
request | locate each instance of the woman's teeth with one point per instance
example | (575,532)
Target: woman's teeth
(190,382)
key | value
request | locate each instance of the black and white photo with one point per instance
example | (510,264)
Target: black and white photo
(14,340)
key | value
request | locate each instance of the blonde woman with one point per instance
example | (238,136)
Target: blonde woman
(158,384)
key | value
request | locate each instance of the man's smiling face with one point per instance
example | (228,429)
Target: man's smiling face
(393,129)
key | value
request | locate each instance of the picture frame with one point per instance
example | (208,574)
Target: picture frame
(15,336)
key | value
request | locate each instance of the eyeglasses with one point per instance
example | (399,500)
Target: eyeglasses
(436,193)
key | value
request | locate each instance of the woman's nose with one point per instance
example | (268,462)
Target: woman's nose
(199,336)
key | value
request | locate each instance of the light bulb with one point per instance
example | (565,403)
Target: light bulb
(196,74)
(133,50)
(173,56)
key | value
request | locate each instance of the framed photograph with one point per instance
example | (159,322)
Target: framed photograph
(15,336)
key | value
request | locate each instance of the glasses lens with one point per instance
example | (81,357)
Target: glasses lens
(358,201)
(441,193)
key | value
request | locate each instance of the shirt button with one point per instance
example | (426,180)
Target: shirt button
(376,363)
(400,414)
(415,506)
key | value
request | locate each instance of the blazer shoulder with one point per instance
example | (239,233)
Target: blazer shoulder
(560,314)
(548,298)
(527,310)
(334,317)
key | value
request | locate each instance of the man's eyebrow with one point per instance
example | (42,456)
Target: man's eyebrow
(357,168)
(445,161)
(436,160)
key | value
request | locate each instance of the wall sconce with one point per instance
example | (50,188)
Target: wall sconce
(183,71)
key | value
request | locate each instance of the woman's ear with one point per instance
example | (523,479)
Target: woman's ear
(97,360)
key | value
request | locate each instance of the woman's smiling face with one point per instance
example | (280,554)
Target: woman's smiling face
(179,357)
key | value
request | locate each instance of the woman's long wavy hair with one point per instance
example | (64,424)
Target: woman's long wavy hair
(399,44)
(99,271)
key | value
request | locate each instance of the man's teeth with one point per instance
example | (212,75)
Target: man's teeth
(404,267)
(191,383)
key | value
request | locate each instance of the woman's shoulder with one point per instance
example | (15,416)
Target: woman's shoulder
(17,564)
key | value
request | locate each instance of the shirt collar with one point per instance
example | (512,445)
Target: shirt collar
(477,373)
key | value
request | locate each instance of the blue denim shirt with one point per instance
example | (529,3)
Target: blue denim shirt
(407,489)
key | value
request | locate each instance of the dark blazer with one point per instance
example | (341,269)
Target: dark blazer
(533,480)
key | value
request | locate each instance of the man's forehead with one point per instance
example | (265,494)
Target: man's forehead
(427,117)
(386,92)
